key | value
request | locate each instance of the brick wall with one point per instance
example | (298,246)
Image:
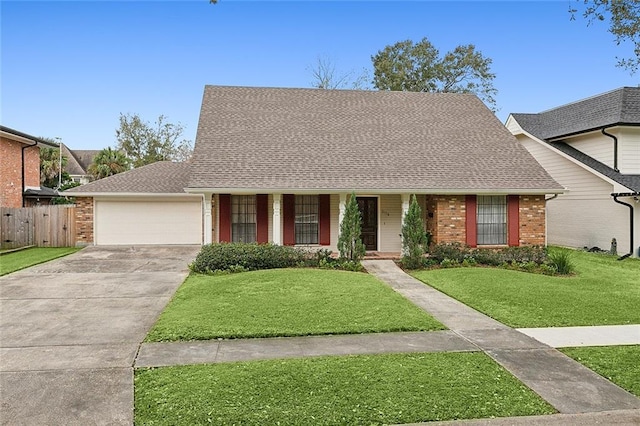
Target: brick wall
(84,220)
(448,218)
(532,220)
(11,171)
(448,224)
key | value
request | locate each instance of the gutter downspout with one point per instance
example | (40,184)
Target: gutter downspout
(24,186)
(631,246)
(546,217)
(615,148)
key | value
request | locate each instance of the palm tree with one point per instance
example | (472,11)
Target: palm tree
(108,162)
(50,166)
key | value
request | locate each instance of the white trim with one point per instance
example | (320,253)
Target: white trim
(276,229)
(208,225)
(417,191)
(132,194)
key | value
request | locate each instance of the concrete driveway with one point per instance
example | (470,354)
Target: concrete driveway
(70,330)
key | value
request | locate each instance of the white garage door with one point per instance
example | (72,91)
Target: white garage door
(148,222)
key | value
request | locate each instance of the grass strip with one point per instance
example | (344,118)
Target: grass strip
(286,302)
(619,364)
(604,291)
(378,389)
(17,260)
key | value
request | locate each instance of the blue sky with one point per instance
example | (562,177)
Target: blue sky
(68,69)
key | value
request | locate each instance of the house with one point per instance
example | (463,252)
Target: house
(277,165)
(78,162)
(20,170)
(591,147)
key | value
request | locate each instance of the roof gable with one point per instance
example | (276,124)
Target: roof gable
(620,106)
(307,139)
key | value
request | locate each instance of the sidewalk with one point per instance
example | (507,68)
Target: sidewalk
(581,396)
(564,383)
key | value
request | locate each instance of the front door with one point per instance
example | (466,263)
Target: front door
(369,210)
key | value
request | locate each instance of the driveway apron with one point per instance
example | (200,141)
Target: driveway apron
(70,330)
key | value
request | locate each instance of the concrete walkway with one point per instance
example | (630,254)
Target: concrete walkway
(604,335)
(567,385)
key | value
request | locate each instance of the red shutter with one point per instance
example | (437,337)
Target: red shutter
(224,204)
(289,219)
(513,220)
(471,221)
(324,218)
(262,218)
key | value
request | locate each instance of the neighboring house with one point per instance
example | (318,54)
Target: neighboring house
(277,165)
(591,147)
(78,162)
(20,170)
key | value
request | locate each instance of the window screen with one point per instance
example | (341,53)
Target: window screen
(243,218)
(492,220)
(306,219)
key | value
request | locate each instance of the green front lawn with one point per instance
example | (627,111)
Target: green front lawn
(17,260)
(620,364)
(603,291)
(380,389)
(286,302)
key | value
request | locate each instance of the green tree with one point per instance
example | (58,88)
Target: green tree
(50,167)
(418,67)
(350,243)
(108,162)
(624,24)
(145,143)
(414,238)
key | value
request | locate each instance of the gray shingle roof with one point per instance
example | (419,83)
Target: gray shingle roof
(617,107)
(163,177)
(308,139)
(620,106)
(630,181)
(78,160)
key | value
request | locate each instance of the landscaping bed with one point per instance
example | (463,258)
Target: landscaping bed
(603,291)
(379,389)
(286,302)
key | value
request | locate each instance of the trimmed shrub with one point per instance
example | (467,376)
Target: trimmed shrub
(455,252)
(238,257)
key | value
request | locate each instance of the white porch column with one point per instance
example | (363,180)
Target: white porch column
(406,198)
(342,206)
(277,232)
(208,223)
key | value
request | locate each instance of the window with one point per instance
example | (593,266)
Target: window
(492,220)
(306,219)
(243,218)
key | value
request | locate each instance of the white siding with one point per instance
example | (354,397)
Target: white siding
(123,222)
(595,145)
(390,223)
(586,215)
(629,150)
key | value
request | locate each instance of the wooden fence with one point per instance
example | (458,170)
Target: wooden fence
(42,226)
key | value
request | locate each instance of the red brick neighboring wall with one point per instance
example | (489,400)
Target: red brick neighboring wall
(11,171)
(84,220)
(449,218)
(532,220)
